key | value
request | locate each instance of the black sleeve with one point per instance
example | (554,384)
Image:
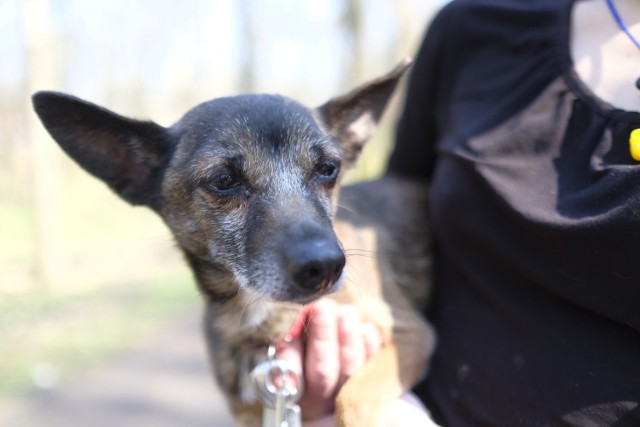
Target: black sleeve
(417,130)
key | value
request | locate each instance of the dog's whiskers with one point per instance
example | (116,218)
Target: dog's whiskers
(355,286)
(351,211)
(248,307)
(360,253)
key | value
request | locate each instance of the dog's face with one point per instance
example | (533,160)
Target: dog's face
(249,189)
(246,184)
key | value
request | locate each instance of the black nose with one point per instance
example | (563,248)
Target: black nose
(315,264)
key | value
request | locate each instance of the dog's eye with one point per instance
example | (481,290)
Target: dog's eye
(223,183)
(328,171)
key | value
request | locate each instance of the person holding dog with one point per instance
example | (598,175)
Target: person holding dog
(522,116)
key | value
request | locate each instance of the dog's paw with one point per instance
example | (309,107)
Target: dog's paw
(351,411)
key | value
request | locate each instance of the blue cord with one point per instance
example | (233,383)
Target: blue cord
(621,23)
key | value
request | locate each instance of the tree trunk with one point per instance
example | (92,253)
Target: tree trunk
(43,154)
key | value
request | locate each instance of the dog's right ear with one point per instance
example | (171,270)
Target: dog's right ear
(124,153)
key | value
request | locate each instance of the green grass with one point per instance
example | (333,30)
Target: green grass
(72,332)
(117,278)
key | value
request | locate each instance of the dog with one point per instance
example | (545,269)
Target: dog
(249,187)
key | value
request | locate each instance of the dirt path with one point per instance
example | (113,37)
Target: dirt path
(165,382)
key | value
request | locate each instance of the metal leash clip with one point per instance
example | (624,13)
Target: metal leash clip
(279,388)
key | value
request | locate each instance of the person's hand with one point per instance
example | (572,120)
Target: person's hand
(338,344)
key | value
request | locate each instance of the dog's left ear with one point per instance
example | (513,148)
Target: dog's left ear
(353,118)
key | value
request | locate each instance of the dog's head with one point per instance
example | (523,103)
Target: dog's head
(246,184)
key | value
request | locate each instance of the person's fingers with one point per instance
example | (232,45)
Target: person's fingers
(322,364)
(292,352)
(337,345)
(351,343)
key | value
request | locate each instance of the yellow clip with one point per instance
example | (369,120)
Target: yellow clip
(634,144)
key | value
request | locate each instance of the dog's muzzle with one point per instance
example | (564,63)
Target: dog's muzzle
(312,257)
(315,264)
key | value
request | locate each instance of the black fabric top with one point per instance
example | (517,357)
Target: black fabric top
(535,207)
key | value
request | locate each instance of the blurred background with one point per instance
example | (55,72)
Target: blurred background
(86,281)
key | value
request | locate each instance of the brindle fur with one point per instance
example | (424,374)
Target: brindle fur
(240,181)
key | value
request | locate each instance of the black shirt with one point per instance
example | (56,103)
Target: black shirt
(535,208)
